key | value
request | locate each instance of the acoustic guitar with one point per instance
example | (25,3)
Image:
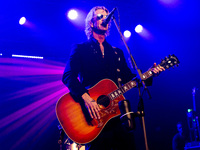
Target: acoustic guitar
(74,117)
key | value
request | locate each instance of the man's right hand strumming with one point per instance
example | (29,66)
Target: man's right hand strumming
(91,105)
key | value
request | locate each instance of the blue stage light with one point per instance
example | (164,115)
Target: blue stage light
(72,14)
(127,33)
(22,20)
(139,28)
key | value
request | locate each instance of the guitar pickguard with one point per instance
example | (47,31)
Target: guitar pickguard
(108,111)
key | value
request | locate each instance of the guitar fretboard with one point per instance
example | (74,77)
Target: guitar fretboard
(131,84)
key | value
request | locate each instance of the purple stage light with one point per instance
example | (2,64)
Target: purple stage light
(39,114)
(72,14)
(22,20)
(28,67)
(170,3)
(127,33)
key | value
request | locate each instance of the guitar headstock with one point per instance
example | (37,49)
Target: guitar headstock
(169,62)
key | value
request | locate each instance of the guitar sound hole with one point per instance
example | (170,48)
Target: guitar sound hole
(103,100)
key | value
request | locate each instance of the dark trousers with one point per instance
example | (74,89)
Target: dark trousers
(113,137)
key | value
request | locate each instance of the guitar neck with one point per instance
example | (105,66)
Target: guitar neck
(126,87)
(166,63)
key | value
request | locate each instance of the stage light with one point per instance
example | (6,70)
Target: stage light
(43,87)
(139,28)
(127,33)
(144,32)
(170,3)
(72,14)
(1,54)
(22,20)
(26,56)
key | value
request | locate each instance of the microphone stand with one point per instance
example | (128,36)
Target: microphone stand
(61,137)
(196,126)
(140,112)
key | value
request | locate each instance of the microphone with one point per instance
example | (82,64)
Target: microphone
(107,20)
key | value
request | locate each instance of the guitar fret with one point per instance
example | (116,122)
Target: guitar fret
(119,91)
(125,88)
(116,94)
(132,84)
(144,76)
(111,96)
(129,85)
(122,90)
(147,74)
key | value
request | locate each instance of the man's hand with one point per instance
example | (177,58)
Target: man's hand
(92,106)
(157,69)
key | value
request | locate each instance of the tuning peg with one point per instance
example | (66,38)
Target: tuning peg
(166,58)
(162,61)
(171,65)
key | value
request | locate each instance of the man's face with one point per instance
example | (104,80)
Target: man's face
(179,127)
(99,16)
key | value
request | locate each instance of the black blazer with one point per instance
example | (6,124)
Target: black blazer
(87,63)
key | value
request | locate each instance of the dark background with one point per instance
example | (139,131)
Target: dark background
(30,88)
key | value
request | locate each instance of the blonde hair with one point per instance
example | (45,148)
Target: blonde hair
(89,20)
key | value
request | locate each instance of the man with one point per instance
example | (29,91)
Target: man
(93,61)
(179,140)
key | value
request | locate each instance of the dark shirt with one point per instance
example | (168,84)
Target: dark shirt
(87,63)
(178,142)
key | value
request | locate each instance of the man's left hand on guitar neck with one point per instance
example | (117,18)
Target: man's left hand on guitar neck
(157,69)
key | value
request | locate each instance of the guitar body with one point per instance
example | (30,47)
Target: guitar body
(72,117)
